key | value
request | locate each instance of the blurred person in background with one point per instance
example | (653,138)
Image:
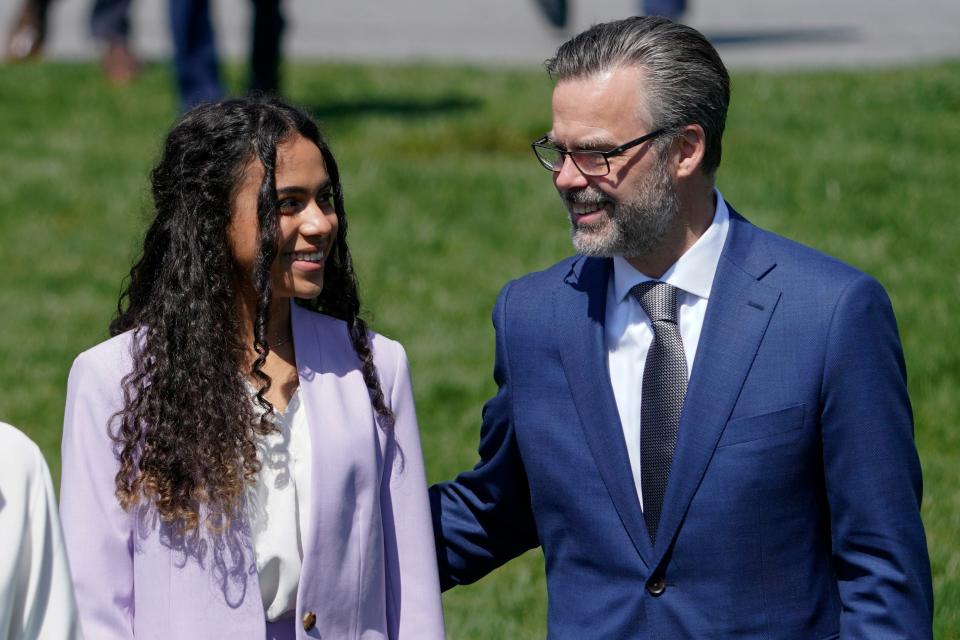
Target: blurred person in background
(672,9)
(557,12)
(109,24)
(241,459)
(704,425)
(195,60)
(36,596)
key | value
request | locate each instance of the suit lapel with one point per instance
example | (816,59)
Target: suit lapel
(737,316)
(579,311)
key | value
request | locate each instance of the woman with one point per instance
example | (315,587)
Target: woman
(36,597)
(236,465)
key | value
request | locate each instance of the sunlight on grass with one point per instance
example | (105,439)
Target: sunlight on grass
(446,204)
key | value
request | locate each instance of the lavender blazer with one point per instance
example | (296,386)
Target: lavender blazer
(369,566)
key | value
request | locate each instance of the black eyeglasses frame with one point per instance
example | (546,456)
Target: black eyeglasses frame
(606,155)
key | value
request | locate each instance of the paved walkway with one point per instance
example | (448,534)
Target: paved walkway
(749,33)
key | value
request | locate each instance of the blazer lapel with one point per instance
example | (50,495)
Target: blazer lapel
(737,316)
(309,357)
(580,308)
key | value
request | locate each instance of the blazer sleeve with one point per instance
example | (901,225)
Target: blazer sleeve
(872,473)
(413,590)
(96,529)
(483,518)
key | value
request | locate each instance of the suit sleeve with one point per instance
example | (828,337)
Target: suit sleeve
(483,518)
(413,590)
(872,471)
(97,531)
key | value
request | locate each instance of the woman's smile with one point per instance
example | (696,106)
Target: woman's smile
(306,260)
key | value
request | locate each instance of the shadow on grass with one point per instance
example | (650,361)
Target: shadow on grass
(396,107)
(753,37)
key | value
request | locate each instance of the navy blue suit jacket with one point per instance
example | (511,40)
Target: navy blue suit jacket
(793,505)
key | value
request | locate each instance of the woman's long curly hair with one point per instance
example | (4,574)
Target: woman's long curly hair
(186,435)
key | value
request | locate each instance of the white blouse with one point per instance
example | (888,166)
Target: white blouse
(36,594)
(277,509)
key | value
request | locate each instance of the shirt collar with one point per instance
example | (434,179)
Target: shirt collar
(695,269)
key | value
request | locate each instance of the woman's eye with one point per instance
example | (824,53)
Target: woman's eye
(325,198)
(288,206)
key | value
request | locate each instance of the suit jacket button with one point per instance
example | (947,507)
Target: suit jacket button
(309,621)
(656,586)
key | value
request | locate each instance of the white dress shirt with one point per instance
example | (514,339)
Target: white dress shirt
(274,508)
(36,594)
(628,332)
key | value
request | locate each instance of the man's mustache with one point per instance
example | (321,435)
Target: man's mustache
(587,195)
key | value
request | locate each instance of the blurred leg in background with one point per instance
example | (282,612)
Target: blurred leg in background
(265,47)
(110,24)
(29,31)
(195,61)
(555,11)
(672,9)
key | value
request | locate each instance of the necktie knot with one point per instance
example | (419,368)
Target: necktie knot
(658,299)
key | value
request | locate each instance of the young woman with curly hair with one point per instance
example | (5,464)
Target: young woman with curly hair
(241,459)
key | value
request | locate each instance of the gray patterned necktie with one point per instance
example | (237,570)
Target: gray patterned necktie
(664,387)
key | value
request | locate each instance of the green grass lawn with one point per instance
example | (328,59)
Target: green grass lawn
(447,203)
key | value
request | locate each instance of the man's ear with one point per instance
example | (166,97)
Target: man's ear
(689,149)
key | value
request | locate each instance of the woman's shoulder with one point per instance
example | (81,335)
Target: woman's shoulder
(20,453)
(26,488)
(110,359)
(387,353)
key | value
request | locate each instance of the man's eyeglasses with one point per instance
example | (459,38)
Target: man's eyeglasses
(590,163)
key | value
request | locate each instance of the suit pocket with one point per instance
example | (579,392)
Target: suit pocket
(766,425)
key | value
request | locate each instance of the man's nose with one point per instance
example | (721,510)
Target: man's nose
(569,176)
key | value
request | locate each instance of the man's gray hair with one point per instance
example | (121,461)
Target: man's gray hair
(686,82)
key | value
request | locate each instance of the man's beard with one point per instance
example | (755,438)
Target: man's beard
(635,227)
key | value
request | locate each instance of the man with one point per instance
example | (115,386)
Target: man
(742,466)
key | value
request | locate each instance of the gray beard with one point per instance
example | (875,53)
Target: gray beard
(636,227)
